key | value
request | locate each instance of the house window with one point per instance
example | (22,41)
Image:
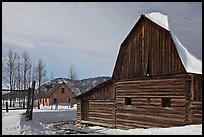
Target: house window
(55,100)
(128,101)
(69,100)
(62,90)
(166,102)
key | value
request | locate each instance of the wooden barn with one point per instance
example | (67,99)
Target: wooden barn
(151,85)
(57,93)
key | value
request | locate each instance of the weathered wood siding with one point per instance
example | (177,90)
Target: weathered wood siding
(196,87)
(101,107)
(148,49)
(196,112)
(196,99)
(103,93)
(146,110)
(78,118)
(102,112)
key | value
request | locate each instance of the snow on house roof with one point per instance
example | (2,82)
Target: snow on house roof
(191,63)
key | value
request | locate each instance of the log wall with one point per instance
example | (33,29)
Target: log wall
(147,98)
(146,110)
(195,115)
(101,112)
(100,109)
(196,112)
(78,118)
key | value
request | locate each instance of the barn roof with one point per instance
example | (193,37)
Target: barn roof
(190,62)
(94,88)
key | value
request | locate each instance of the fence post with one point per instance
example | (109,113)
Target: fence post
(32,100)
(19,103)
(24,102)
(3,101)
(7,107)
(28,105)
(10,102)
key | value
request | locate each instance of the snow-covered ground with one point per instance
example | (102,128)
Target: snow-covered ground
(14,123)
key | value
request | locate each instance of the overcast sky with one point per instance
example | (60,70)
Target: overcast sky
(87,35)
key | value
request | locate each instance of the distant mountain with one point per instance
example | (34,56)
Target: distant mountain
(89,83)
(83,85)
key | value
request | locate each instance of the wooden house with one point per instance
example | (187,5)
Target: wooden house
(151,85)
(57,93)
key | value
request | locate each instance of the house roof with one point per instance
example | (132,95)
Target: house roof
(190,62)
(48,90)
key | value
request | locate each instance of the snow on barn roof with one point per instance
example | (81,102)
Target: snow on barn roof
(160,19)
(191,63)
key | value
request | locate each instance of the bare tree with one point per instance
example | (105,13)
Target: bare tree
(26,63)
(29,75)
(72,77)
(40,76)
(72,80)
(3,72)
(33,73)
(10,68)
(52,77)
(72,74)
(18,73)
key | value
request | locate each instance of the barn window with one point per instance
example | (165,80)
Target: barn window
(148,70)
(166,102)
(148,65)
(148,100)
(128,101)
(62,90)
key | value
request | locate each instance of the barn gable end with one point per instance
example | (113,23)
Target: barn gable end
(148,50)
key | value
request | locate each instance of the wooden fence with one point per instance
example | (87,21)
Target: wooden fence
(25,100)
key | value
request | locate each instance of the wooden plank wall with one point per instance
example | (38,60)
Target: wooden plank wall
(103,93)
(196,104)
(147,45)
(196,112)
(78,118)
(146,110)
(101,106)
(101,112)
(196,87)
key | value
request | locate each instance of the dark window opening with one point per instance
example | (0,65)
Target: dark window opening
(128,101)
(62,90)
(148,69)
(148,100)
(166,102)
(55,100)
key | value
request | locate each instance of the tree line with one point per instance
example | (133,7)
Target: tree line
(19,71)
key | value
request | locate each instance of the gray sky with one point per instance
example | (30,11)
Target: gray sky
(88,35)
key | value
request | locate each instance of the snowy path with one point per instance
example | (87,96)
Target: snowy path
(14,123)
(11,122)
